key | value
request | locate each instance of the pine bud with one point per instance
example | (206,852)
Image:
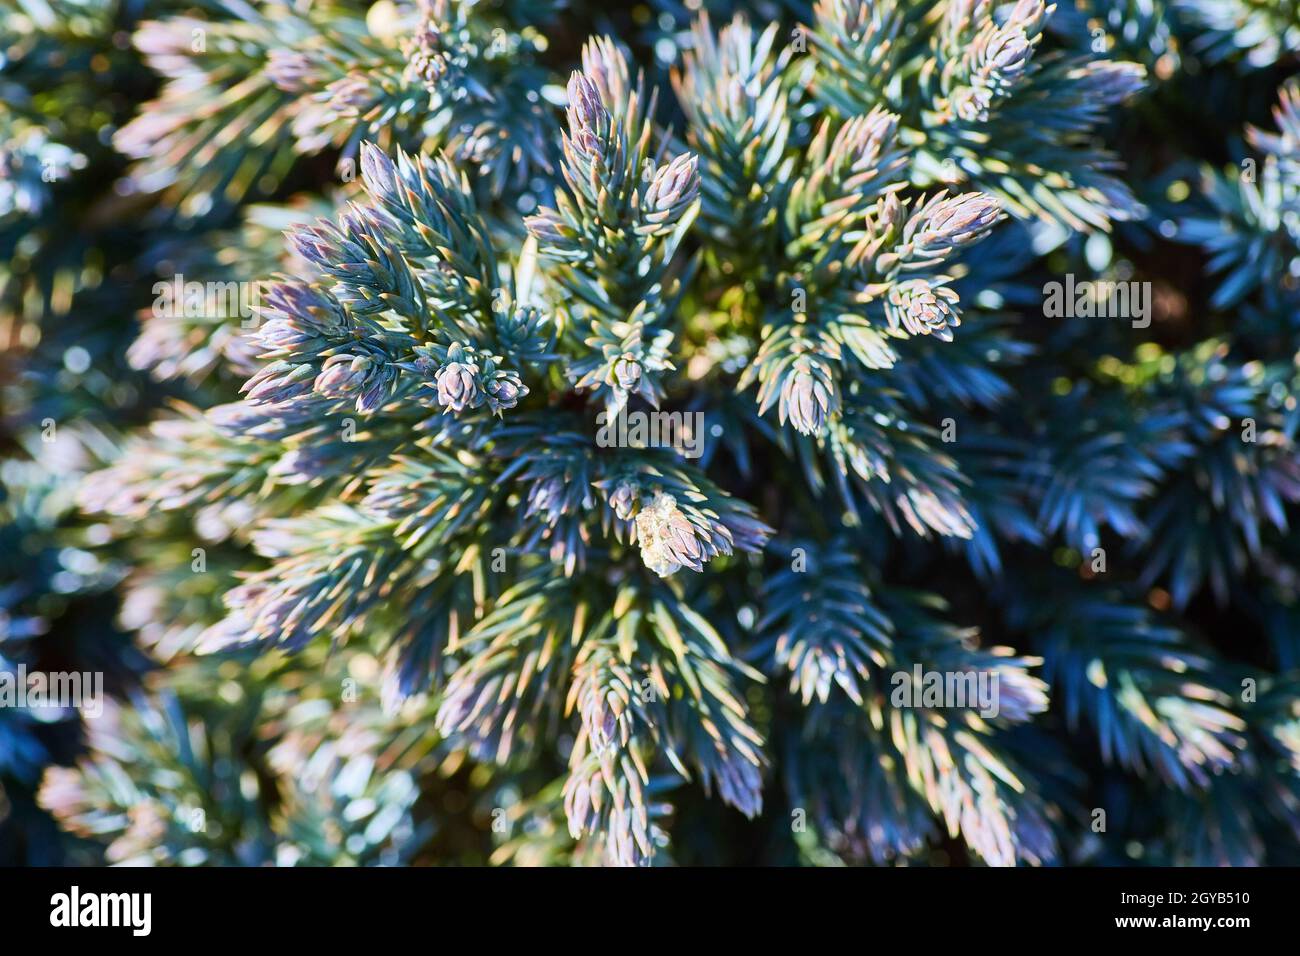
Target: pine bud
(1105,82)
(923,309)
(807,396)
(673,188)
(351,94)
(945,224)
(546,497)
(604,65)
(863,138)
(457,386)
(296,314)
(342,375)
(313,244)
(290,70)
(1004,57)
(279,382)
(627,372)
(283,337)
(971,103)
(505,390)
(377,172)
(589,121)
(548,227)
(426,56)
(1029,16)
(667,538)
(623,500)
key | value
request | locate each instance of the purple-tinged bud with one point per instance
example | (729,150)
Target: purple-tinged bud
(304,305)
(282,337)
(1105,82)
(674,186)
(457,386)
(667,537)
(623,500)
(426,55)
(807,396)
(888,213)
(377,171)
(376,391)
(1028,15)
(998,58)
(351,94)
(585,106)
(603,64)
(313,244)
(547,227)
(589,121)
(627,372)
(279,382)
(1005,58)
(546,497)
(922,309)
(861,140)
(290,70)
(971,104)
(343,375)
(944,224)
(505,391)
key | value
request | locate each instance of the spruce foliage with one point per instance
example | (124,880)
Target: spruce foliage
(370,581)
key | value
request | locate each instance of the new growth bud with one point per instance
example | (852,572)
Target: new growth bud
(667,538)
(589,121)
(807,396)
(671,192)
(457,386)
(923,309)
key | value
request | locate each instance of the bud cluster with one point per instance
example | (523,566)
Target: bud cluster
(466,378)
